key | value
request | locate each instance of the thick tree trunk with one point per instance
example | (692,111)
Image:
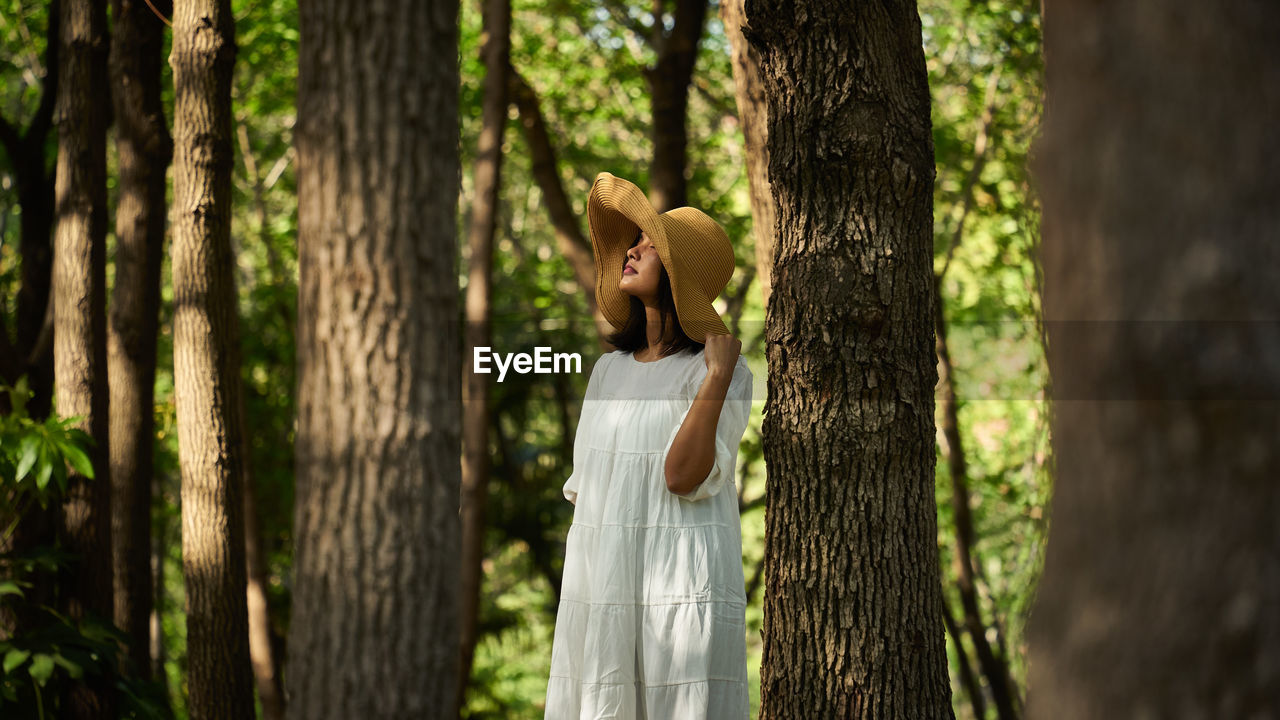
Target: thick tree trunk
(475,430)
(753,118)
(80,323)
(206,363)
(375,616)
(1162,573)
(853,604)
(668,83)
(144,150)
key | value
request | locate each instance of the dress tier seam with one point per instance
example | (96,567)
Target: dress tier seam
(612,451)
(580,681)
(650,527)
(673,603)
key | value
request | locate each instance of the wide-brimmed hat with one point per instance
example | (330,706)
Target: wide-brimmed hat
(693,248)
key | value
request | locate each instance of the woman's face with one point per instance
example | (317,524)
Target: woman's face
(641,270)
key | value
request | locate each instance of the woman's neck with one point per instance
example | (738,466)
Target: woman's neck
(654,332)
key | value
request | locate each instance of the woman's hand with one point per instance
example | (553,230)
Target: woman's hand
(721,353)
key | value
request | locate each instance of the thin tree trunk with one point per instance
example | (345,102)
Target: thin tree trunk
(967,678)
(80,337)
(753,117)
(994,666)
(1158,172)
(569,238)
(374,629)
(144,150)
(853,600)
(32,353)
(266,661)
(475,431)
(262,655)
(159,544)
(206,363)
(668,83)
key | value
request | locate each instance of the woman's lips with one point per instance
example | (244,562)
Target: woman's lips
(628,270)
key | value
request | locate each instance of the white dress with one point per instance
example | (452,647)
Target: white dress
(651,623)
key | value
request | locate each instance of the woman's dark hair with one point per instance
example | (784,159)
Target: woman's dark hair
(634,336)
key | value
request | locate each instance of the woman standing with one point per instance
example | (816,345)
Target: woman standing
(651,619)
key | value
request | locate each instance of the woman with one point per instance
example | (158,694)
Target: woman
(651,617)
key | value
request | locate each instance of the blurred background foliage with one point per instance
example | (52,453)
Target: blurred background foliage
(985,71)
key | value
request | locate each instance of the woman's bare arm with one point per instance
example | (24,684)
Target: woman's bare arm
(693,450)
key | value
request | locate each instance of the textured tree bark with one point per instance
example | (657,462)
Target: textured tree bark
(1162,573)
(374,631)
(475,431)
(853,603)
(753,116)
(668,83)
(206,363)
(80,332)
(144,150)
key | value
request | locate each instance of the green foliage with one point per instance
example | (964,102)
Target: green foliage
(51,651)
(985,71)
(34,456)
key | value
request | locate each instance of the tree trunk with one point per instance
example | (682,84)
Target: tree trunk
(569,238)
(262,650)
(32,354)
(80,332)
(993,665)
(158,544)
(144,150)
(375,615)
(668,83)
(753,117)
(262,655)
(1162,573)
(853,601)
(206,363)
(475,438)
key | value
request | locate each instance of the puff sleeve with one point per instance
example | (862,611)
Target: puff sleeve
(590,404)
(734,415)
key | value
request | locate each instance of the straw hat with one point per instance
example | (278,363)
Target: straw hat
(693,248)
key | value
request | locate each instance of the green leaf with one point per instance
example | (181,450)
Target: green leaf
(46,471)
(28,451)
(14,658)
(73,669)
(9,587)
(80,437)
(41,669)
(78,459)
